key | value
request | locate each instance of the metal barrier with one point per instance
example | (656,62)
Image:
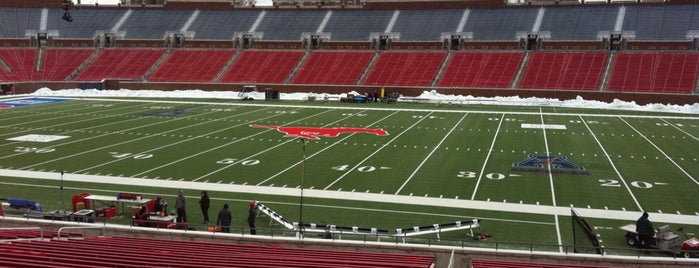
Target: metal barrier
(79,227)
(41,233)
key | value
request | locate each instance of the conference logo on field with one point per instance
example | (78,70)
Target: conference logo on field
(314,133)
(557,164)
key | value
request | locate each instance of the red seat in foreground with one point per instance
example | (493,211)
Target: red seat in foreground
(150,252)
(485,263)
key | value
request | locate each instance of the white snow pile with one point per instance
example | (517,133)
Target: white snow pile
(427,96)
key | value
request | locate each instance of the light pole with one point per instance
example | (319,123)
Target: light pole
(303,174)
(63,201)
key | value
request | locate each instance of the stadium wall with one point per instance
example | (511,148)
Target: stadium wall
(639,98)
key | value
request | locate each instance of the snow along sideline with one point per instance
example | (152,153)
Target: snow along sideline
(430,96)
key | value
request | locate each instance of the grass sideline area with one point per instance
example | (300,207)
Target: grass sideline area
(518,169)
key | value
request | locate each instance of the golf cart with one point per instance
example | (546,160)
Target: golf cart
(665,240)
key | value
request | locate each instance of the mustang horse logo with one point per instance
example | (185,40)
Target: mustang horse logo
(313,133)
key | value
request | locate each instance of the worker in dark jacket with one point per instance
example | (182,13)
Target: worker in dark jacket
(252,213)
(644,229)
(204,202)
(224,219)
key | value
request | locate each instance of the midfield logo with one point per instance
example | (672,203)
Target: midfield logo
(540,163)
(313,133)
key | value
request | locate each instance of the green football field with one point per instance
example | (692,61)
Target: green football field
(519,170)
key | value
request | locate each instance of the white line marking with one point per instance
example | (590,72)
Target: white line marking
(430,154)
(115,144)
(553,191)
(376,151)
(320,151)
(611,162)
(487,156)
(681,130)
(662,152)
(24,130)
(263,151)
(170,144)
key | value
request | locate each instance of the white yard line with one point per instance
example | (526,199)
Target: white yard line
(13,114)
(376,151)
(611,162)
(265,150)
(430,154)
(358,196)
(681,130)
(210,149)
(115,144)
(178,142)
(65,123)
(662,152)
(97,136)
(487,156)
(320,151)
(548,168)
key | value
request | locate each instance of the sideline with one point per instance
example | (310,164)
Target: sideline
(356,196)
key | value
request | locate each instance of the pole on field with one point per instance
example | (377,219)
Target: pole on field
(303,174)
(63,201)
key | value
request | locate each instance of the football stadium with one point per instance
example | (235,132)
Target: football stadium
(349,133)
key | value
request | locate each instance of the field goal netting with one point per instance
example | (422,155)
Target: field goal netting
(584,238)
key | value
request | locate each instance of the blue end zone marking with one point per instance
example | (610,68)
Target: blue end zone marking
(29,102)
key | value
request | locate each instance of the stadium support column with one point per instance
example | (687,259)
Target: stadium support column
(382,41)
(313,41)
(246,40)
(177,39)
(532,40)
(455,40)
(615,40)
(107,38)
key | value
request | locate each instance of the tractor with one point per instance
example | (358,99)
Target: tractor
(665,240)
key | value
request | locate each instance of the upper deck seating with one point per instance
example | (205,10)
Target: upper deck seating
(663,22)
(289,24)
(481,69)
(426,25)
(15,21)
(575,23)
(222,24)
(158,23)
(500,24)
(86,22)
(357,25)
(333,68)
(405,68)
(564,70)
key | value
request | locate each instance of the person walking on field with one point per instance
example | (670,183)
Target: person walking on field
(224,219)
(181,206)
(204,204)
(252,213)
